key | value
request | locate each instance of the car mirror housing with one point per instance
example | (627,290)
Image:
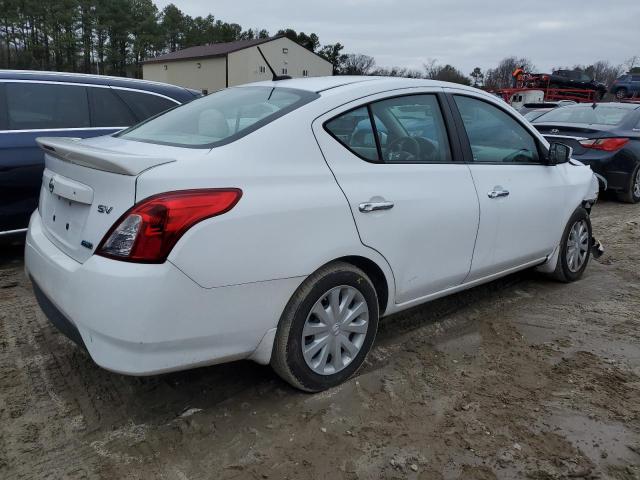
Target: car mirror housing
(559,153)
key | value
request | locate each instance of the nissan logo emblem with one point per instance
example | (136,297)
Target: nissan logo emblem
(555,131)
(51,185)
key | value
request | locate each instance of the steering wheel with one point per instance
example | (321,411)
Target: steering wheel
(519,156)
(397,150)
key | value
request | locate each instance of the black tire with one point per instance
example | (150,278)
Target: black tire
(287,358)
(562,272)
(621,93)
(629,195)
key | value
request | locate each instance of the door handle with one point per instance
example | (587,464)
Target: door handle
(372,206)
(498,192)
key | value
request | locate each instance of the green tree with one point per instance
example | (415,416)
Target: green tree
(173,24)
(332,53)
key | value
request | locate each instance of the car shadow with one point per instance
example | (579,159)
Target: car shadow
(161,398)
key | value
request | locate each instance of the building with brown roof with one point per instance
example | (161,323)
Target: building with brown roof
(220,65)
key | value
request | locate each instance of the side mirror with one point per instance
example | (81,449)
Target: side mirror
(559,153)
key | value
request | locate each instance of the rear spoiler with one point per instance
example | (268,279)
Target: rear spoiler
(73,151)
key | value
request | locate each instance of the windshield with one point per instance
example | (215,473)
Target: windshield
(219,118)
(601,114)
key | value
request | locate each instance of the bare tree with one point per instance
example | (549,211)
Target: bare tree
(500,77)
(602,71)
(397,72)
(358,64)
(632,62)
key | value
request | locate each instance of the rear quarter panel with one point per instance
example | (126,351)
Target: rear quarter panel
(292,217)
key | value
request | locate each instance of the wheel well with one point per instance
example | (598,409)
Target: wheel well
(375,273)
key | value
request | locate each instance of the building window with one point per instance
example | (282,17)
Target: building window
(284,71)
(285,50)
(262,69)
(305,73)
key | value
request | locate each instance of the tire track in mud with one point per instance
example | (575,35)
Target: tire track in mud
(518,378)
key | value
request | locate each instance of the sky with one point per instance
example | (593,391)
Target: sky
(464,33)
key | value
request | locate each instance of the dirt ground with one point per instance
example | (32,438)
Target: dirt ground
(521,378)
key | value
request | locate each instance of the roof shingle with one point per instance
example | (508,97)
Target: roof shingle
(211,50)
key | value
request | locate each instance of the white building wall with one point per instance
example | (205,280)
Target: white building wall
(244,65)
(198,73)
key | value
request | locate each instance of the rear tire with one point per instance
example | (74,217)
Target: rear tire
(575,248)
(632,193)
(311,357)
(621,93)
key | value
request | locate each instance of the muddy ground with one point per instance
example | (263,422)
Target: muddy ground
(521,378)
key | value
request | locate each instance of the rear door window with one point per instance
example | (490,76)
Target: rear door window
(108,110)
(145,105)
(33,106)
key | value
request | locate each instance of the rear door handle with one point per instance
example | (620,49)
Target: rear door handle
(373,206)
(498,192)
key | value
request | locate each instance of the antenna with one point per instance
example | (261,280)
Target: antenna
(275,77)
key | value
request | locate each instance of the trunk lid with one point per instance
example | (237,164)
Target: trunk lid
(86,186)
(570,133)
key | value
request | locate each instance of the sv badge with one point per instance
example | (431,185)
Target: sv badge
(104,209)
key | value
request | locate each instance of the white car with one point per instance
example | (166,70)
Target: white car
(278,221)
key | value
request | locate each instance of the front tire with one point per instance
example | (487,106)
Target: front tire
(632,193)
(327,328)
(575,247)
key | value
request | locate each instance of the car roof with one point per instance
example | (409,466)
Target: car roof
(321,84)
(156,87)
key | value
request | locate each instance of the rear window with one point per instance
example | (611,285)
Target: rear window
(602,115)
(219,118)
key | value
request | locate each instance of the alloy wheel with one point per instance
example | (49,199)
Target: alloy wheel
(636,184)
(578,246)
(335,330)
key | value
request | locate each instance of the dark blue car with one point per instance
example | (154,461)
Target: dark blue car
(36,104)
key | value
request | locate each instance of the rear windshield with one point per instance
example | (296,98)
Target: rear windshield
(219,118)
(602,115)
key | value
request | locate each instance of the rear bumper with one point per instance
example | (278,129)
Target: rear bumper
(146,319)
(610,166)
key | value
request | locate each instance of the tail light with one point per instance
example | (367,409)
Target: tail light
(149,230)
(606,144)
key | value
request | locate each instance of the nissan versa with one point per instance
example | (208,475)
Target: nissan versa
(278,221)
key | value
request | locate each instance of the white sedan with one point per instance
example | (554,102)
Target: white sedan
(278,221)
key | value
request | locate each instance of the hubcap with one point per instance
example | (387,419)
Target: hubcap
(578,245)
(636,185)
(335,329)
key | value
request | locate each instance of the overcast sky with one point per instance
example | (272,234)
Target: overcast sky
(464,33)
